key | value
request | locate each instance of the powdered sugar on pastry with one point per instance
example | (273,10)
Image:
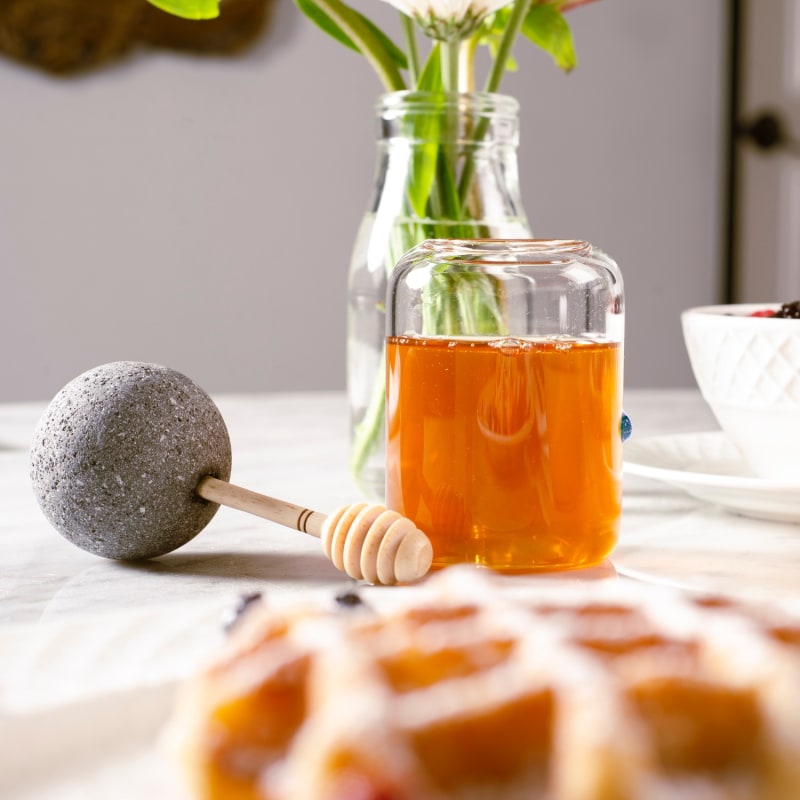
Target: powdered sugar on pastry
(465,688)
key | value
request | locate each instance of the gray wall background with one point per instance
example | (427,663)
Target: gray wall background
(200,212)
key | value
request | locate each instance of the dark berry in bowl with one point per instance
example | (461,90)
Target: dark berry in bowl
(789,310)
(786,311)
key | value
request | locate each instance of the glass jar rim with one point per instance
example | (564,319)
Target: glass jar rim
(491,250)
(425,101)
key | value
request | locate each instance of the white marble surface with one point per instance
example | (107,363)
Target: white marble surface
(90,650)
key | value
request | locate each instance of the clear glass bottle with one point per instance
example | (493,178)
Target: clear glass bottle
(446,168)
(504,401)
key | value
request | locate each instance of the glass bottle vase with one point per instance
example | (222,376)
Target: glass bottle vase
(446,169)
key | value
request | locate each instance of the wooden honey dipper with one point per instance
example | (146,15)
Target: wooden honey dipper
(367,541)
(132,460)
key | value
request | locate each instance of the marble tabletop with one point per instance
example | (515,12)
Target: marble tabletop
(91,650)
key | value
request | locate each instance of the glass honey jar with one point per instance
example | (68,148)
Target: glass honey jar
(504,401)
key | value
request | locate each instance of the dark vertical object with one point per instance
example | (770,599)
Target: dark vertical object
(731,220)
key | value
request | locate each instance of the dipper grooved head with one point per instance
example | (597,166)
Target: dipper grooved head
(117,456)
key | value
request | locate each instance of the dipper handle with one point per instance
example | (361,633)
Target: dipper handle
(367,541)
(288,514)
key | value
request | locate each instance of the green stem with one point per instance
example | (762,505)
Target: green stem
(466,55)
(367,43)
(447,169)
(369,432)
(450,65)
(518,12)
(409,33)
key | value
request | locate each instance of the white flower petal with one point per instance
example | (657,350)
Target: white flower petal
(451,12)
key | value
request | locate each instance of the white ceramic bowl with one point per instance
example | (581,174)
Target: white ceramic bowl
(748,370)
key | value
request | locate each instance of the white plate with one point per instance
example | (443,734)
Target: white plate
(708,466)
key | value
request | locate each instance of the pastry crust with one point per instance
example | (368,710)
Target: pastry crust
(467,688)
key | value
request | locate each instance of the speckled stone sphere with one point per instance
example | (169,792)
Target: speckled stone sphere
(117,455)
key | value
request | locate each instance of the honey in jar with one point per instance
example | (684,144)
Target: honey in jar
(503,415)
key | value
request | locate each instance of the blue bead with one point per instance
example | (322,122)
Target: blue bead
(625,427)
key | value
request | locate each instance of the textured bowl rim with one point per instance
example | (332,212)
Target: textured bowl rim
(737,311)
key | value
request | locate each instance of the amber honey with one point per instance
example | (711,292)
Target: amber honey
(506,452)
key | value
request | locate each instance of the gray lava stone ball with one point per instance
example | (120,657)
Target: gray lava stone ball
(117,455)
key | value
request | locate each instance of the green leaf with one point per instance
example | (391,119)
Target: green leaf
(423,174)
(430,79)
(426,129)
(492,32)
(494,49)
(361,33)
(323,21)
(546,27)
(189,9)
(397,55)
(447,184)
